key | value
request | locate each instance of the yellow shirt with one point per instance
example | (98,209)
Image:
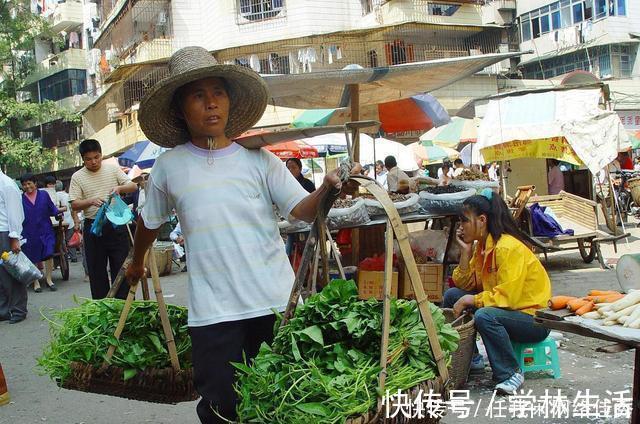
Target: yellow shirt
(508,275)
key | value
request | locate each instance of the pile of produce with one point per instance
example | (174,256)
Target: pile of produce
(471,175)
(444,189)
(612,307)
(395,197)
(84,334)
(323,366)
(344,203)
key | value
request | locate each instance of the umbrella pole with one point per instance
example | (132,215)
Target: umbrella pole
(354,96)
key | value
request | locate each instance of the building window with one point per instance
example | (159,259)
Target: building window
(577,13)
(367,6)
(398,53)
(373,58)
(621,7)
(601,8)
(258,10)
(544,24)
(442,9)
(556,23)
(526,30)
(63,84)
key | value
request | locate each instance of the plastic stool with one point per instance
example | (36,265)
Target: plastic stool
(540,356)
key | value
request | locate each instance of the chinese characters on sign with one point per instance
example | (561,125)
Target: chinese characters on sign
(613,404)
(630,119)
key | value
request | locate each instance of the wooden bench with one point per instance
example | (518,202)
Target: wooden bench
(577,214)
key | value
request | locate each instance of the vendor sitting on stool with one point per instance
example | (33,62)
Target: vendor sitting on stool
(502,281)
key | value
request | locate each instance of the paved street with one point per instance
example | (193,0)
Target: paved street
(36,399)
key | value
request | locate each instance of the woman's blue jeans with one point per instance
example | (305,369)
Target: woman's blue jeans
(498,327)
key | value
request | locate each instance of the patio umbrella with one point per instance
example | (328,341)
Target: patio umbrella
(293,149)
(427,152)
(143,154)
(372,150)
(470,155)
(328,144)
(456,132)
(417,113)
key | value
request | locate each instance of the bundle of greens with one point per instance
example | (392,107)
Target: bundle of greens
(324,363)
(84,334)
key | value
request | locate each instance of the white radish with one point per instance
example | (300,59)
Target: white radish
(627,301)
(623,312)
(623,319)
(635,315)
(635,324)
(592,315)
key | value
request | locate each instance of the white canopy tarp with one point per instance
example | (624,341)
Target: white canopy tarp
(595,135)
(326,89)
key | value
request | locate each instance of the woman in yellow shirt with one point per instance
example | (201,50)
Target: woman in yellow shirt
(503,281)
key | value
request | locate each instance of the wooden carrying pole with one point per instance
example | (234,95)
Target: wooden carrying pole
(162,309)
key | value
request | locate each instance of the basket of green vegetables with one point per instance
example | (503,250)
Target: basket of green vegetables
(76,357)
(335,359)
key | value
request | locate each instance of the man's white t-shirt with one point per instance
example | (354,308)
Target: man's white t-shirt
(238,268)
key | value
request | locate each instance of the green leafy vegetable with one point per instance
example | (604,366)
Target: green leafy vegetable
(84,334)
(323,365)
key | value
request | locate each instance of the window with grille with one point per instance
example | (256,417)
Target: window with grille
(442,9)
(398,52)
(258,10)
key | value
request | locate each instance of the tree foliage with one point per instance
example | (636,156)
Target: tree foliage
(18,30)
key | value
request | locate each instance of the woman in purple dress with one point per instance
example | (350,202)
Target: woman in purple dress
(37,228)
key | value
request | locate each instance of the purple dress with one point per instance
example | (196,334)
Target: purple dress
(37,228)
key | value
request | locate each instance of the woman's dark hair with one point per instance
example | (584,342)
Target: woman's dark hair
(28,177)
(499,218)
(297,161)
(89,145)
(49,179)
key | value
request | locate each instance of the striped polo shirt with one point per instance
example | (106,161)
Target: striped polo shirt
(86,185)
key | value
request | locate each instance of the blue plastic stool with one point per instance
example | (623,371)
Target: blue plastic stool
(540,356)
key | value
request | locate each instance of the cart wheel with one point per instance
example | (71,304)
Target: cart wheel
(64,266)
(589,256)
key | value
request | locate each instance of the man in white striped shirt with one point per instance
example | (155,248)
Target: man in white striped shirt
(90,188)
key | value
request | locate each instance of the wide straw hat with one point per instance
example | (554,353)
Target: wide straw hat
(247,92)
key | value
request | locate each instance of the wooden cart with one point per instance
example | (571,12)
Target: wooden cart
(578,214)
(60,258)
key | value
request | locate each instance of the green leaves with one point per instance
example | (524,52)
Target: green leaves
(84,334)
(324,364)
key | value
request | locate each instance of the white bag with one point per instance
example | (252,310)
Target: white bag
(411,205)
(20,267)
(477,185)
(348,217)
(450,203)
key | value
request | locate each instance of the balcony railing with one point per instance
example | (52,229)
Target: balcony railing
(66,16)
(68,59)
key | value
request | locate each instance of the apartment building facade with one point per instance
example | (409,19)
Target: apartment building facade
(60,75)
(285,36)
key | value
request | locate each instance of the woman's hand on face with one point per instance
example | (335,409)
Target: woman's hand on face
(465,302)
(466,247)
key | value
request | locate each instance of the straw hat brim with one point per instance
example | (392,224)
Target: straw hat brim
(248,95)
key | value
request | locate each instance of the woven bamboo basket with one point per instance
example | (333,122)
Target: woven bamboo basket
(160,385)
(461,358)
(395,228)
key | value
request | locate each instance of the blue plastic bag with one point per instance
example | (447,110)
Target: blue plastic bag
(113,210)
(118,212)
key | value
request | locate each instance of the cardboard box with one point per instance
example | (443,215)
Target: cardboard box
(432,282)
(371,284)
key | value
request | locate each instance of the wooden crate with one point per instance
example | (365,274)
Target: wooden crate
(432,282)
(371,284)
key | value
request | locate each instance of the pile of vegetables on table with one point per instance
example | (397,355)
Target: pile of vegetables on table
(611,307)
(472,175)
(323,365)
(84,334)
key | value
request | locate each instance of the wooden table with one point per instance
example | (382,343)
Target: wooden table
(555,320)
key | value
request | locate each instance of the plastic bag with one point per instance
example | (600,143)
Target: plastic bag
(450,203)
(20,267)
(293,226)
(75,240)
(477,185)
(428,246)
(348,217)
(411,205)
(118,212)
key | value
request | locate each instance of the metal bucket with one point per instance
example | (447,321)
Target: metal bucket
(628,272)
